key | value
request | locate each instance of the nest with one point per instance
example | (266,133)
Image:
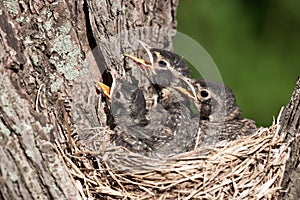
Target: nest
(251,167)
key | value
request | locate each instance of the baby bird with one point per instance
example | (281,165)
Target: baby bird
(159,111)
(164,128)
(220,116)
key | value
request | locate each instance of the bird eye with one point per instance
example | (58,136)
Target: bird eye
(162,63)
(204,93)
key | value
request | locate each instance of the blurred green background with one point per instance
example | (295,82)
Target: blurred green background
(256,46)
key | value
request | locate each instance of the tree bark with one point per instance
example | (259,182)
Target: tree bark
(290,125)
(47,77)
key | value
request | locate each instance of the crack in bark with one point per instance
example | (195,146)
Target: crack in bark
(89,31)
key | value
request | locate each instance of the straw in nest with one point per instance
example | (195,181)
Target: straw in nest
(248,168)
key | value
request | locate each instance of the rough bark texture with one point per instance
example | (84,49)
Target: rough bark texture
(290,123)
(43,72)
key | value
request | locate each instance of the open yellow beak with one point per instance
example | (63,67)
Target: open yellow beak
(147,48)
(138,60)
(105,89)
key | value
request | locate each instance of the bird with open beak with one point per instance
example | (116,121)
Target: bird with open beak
(165,68)
(151,115)
(220,116)
(167,112)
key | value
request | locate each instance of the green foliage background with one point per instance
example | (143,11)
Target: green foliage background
(256,46)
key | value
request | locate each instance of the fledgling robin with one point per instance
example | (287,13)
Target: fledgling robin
(220,116)
(167,128)
(152,107)
(167,59)
(160,111)
(164,68)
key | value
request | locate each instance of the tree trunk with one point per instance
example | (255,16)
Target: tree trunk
(290,124)
(47,77)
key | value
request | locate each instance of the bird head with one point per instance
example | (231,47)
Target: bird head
(161,59)
(164,68)
(127,102)
(216,101)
